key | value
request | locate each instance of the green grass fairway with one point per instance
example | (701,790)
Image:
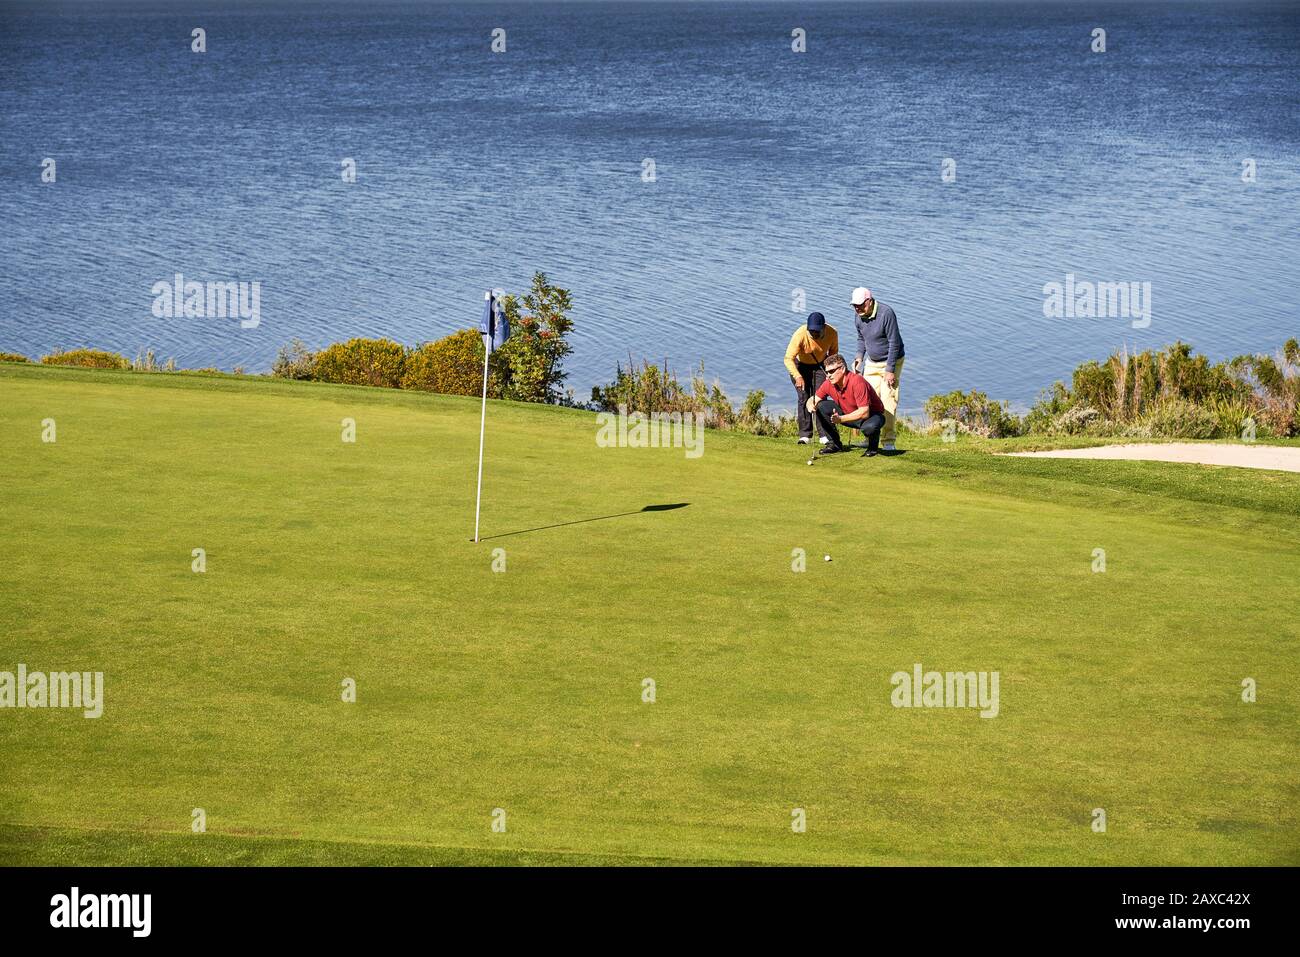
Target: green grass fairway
(522,690)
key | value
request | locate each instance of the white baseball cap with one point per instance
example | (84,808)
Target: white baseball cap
(861,295)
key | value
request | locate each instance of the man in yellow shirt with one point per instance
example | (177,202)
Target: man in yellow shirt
(808,349)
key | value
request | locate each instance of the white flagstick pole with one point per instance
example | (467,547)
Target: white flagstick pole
(487,352)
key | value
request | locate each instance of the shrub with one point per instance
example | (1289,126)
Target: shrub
(712,401)
(1271,385)
(148,362)
(12,357)
(293,361)
(1179,418)
(940,426)
(1276,419)
(1125,387)
(1131,394)
(1051,404)
(376,362)
(751,418)
(531,359)
(647,388)
(1131,430)
(1076,421)
(1094,386)
(1193,377)
(453,365)
(1230,413)
(1291,352)
(88,358)
(976,411)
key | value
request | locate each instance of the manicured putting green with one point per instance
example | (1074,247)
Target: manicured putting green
(522,689)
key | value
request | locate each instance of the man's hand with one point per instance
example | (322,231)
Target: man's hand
(855,364)
(890,379)
(811,404)
(835,417)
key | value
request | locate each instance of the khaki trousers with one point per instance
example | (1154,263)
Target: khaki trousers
(874,373)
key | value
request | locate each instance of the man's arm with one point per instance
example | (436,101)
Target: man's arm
(791,351)
(862,345)
(817,396)
(895,341)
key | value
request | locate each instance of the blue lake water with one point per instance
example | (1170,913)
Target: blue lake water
(775,171)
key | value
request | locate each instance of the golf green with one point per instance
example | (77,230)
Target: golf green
(516,694)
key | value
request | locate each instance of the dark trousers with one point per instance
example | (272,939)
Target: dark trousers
(870,426)
(812,377)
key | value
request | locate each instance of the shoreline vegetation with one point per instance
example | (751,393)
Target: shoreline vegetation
(1168,393)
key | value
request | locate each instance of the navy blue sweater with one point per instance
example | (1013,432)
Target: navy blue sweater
(879,337)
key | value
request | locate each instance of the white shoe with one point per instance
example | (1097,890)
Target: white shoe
(823,440)
(887,446)
(803,440)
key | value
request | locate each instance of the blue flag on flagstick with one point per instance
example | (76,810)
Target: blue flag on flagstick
(485,322)
(502,331)
(493,326)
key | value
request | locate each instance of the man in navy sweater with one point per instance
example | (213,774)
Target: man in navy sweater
(880,355)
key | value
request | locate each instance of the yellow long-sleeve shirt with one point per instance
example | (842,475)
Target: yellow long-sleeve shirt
(804,348)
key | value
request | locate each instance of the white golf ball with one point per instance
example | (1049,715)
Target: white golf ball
(810,461)
(826,557)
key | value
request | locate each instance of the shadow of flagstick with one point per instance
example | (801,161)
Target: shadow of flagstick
(583,521)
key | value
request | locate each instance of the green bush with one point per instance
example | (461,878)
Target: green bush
(1147,393)
(88,358)
(647,388)
(531,359)
(377,362)
(1180,419)
(1051,405)
(1093,386)
(976,412)
(751,418)
(1125,387)
(1230,414)
(1193,377)
(453,365)
(1271,386)
(12,357)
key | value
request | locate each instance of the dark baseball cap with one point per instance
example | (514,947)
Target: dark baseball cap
(816,322)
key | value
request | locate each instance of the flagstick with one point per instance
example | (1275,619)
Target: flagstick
(487,352)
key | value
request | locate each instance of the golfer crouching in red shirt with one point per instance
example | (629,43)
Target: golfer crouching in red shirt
(845,398)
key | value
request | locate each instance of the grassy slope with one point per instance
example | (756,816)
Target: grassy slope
(522,690)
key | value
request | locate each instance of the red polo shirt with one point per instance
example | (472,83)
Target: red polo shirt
(857,393)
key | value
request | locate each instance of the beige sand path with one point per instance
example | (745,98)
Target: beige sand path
(1282,458)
